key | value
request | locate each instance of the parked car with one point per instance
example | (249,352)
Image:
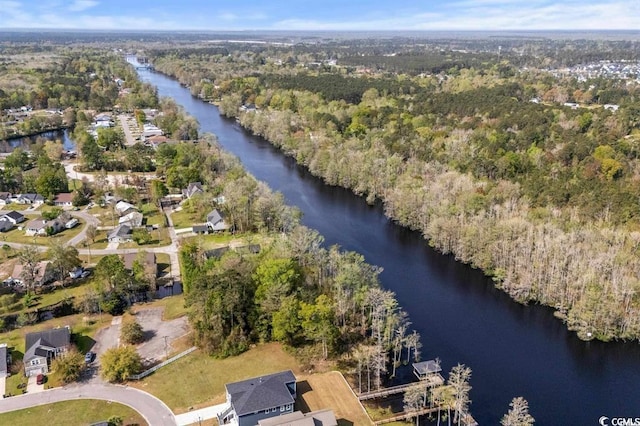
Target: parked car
(40,379)
(89,357)
(85,273)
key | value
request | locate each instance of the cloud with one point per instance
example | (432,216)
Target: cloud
(80,5)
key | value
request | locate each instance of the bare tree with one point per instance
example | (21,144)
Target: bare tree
(518,414)
(414,400)
(459,381)
(29,257)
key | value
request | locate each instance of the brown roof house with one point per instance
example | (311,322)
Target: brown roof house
(64,199)
(42,347)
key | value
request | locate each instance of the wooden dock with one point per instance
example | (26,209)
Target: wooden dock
(429,382)
(467,420)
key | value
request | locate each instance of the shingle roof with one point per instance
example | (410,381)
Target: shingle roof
(214,217)
(260,393)
(52,338)
(17,216)
(3,360)
(120,231)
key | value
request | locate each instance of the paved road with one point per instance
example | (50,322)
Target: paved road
(154,411)
(89,220)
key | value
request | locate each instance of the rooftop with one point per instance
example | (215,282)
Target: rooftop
(260,393)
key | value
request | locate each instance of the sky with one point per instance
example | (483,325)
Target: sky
(338,15)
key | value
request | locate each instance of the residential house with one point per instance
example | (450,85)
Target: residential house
(6,224)
(41,226)
(192,189)
(215,221)
(33,199)
(133,219)
(42,347)
(5,198)
(123,208)
(120,234)
(148,261)
(149,130)
(297,418)
(36,227)
(64,199)
(155,141)
(259,398)
(5,360)
(44,273)
(14,217)
(200,229)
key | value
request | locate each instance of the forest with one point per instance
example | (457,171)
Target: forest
(517,171)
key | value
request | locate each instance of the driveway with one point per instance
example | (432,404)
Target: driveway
(32,387)
(107,338)
(160,334)
(154,411)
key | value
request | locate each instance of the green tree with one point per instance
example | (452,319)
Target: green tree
(286,321)
(318,322)
(118,364)
(111,271)
(63,258)
(110,139)
(132,333)
(274,278)
(92,155)
(158,190)
(69,366)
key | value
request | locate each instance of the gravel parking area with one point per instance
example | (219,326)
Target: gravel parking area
(159,335)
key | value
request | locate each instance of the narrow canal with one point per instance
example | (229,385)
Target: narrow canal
(513,350)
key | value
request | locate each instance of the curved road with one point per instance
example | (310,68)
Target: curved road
(154,411)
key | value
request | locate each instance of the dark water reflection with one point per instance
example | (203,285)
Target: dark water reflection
(513,350)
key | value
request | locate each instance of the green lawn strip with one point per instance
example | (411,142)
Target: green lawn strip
(42,300)
(198,379)
(185,219)
(77,412)
(159,238)
(100,243)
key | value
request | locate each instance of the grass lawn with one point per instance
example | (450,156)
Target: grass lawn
(218,240)
(330,390)
(9,304)
(159,238)
(15,206)
(153,215)
(184,219)
(198,380)
(100,241)
(80,412)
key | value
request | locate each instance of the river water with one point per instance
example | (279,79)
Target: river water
(513,350)
(64,136)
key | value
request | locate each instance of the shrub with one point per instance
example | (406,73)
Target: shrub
(132,333)
(69,366)
(118,364)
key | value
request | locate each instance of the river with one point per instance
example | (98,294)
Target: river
(513,350)
(25,142)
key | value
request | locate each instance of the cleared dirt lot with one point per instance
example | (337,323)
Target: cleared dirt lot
(321,391)
(159,335)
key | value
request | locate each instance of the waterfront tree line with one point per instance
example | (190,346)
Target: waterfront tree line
(537,194)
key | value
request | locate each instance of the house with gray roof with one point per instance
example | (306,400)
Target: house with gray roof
(41,347)
(259,398)
(5,360)
(297,418)
(34,199)
(14,217)
(192,189)
(120,234)
(5,224)
(216,222)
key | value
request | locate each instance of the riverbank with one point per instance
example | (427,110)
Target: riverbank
(16,136)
